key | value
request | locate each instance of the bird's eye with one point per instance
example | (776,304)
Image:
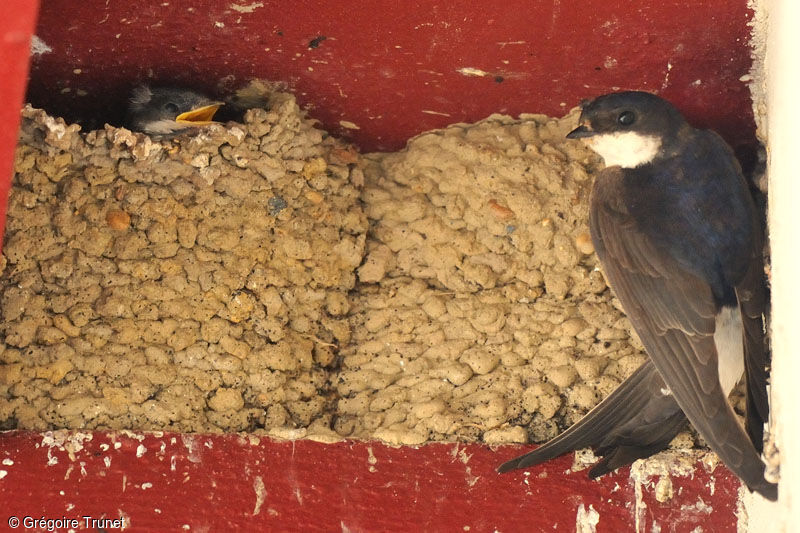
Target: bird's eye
(171,107)
(626,118)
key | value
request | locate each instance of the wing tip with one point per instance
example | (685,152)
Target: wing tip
(508,466)
(767,490)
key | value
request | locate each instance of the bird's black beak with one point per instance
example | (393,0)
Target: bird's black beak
(581,132)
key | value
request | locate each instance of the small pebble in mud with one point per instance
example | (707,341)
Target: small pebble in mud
(276,205)
(118,219)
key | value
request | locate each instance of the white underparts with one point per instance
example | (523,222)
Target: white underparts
(626,149)
(730,347)
(164,126)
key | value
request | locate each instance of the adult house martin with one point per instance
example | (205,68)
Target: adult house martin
(168,110)
(680,243)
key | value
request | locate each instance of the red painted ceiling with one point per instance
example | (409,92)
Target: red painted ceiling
(395,69)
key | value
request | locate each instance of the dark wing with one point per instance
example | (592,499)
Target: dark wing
(634,421)
(673,311)
(752,295)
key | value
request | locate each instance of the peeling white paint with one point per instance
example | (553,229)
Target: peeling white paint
(586,520)
(430,112)
(132,435)
(261,494)
(664,466)
(666,76)
(371,459)
(349,125)
(470,71)
(192,448)
(610,62)
(249,8)
(39,47)
(699,507)
(126,519)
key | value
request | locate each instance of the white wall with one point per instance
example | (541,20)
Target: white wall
(782,125)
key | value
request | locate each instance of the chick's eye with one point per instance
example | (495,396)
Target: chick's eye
(626,118)
(171,107)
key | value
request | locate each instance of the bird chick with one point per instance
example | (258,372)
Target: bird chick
(169,110)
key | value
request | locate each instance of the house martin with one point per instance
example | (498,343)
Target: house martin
(680,242)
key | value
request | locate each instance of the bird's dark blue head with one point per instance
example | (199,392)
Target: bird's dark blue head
(167,110)
(630,128)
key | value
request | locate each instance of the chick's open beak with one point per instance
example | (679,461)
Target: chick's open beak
(200,116)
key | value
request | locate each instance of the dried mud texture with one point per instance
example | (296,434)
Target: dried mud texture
(192,284)
(227,281)
(482,313)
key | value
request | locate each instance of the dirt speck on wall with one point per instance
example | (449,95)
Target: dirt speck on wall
(266,277)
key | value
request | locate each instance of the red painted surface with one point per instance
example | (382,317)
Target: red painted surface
(391,68)
(16,27)
(227,483)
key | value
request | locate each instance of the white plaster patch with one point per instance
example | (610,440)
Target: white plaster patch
(625,149)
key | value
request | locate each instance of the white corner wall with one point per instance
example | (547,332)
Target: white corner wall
(782,125)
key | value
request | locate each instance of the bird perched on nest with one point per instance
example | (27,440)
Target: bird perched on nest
(169,110)
(680,242)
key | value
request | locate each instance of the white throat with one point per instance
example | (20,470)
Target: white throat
(626,149)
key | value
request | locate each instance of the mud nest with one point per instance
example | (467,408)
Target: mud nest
(266,277)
